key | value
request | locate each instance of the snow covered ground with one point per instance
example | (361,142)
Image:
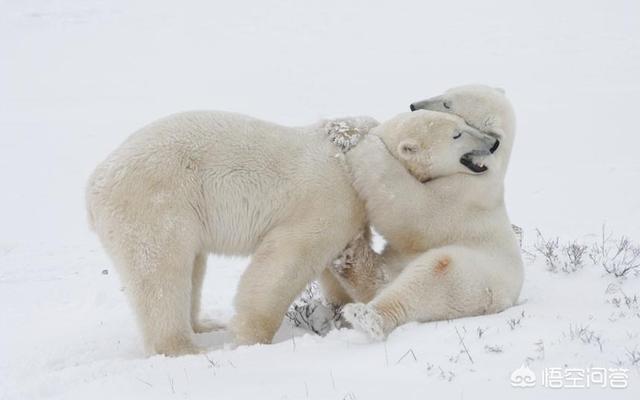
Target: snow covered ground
(76,77)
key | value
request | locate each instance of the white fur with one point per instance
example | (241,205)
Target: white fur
(451,251)
(213,182)
(364,318)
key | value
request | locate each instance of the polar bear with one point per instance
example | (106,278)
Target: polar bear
(450,250)
(215,182)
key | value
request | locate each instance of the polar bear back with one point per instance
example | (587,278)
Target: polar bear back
(238,175)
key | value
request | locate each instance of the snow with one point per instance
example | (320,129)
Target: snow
(77,77)
(346,133)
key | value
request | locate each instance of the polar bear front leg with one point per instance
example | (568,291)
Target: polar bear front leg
(284,263)
(394,198)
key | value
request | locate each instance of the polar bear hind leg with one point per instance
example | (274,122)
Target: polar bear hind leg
(445,283)
(155,253)
(159,291)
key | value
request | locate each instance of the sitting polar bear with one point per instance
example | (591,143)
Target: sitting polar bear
(451,251)
(213,182)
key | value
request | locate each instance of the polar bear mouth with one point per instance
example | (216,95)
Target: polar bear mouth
(468,161)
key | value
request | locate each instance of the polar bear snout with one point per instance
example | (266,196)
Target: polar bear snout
(425,105)
(428,104)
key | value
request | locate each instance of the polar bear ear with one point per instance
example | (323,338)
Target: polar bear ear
(499,89)
(408,149)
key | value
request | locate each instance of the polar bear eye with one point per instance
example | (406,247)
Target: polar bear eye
(446,104)
(457,136)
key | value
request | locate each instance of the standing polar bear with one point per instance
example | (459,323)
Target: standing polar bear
(450,250)
(212,182)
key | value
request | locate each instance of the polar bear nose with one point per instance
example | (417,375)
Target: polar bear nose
(412,107)
(494,147)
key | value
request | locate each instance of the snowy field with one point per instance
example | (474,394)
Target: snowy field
(76,77)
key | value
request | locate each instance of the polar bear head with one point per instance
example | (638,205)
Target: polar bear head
(433,144)
(484,108)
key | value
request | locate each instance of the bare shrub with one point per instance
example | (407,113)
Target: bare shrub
(560,257)
(446,375)
(493,348)
(617,256)
(585,334)
(633,356)
(625,303)
(575,253)
(514,322)
(549,249)
(311,313)
(540,349)
(480,332)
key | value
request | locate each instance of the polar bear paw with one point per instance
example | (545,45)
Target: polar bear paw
(364,318)
(207,325)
